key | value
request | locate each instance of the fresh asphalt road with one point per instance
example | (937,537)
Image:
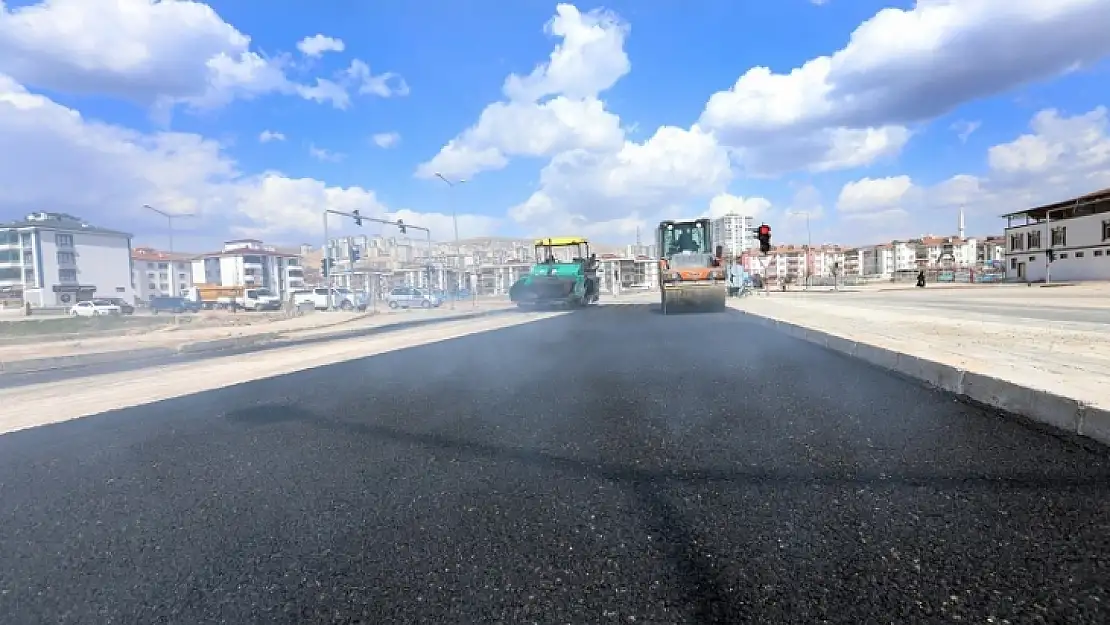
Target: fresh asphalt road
(609,465)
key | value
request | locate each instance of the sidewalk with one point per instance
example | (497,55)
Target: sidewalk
(184,339)
(1056,373)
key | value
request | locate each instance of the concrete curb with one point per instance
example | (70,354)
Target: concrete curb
(213,346)
(1061,413)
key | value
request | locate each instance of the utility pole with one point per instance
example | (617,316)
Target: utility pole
(175,291)
(451,184)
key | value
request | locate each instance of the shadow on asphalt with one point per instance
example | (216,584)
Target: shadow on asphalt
(273,414)
(702,587)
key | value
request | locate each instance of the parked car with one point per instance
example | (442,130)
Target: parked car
(409,297)
(175,305)
(124,307)
(94,308)
(343,299)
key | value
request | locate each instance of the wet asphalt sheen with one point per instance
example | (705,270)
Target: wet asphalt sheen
(608,466)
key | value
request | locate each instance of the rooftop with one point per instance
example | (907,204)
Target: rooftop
(1083,201)
(59,221)
(152,254)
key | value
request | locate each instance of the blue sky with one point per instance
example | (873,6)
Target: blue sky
(877,119)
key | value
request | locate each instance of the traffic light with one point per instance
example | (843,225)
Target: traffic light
(355,254)
(358,219)
(1051,253)
(401,226)
(325,266)
(429,271)
(764,236)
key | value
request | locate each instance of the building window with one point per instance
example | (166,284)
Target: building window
(151,287)
(1016,242)
(1062,256)
(64,240)
(1060,236)
(1106,229)
(1013,263)
(67,275)
(1098,252)
(1079,254)
(66,258)
(1033,239)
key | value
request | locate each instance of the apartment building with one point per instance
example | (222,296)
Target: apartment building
(249,262)
(1076,230)
(56,259)
(156,273)
(734,232)
(991,250)
(794,263)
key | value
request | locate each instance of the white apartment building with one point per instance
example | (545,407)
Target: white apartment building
(156,274)
(928,252)
(58,259)
(734,232)
(991,250)
(794,262)
(1077,231)
(248,262)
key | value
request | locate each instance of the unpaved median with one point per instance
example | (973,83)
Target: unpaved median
(178,336)
(1068,359)
(53,402)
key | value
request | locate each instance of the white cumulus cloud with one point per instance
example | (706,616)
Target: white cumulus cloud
(316,45)
(386,140)
(105,173)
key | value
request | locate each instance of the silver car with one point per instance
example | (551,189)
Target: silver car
(409,297)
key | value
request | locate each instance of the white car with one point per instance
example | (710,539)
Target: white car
(94,308)
(343,299)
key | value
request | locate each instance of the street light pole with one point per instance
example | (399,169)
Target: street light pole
(809,245)
(455,219)
(325,254)
(169,223)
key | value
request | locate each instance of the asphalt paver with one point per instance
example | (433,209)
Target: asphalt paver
(607,466)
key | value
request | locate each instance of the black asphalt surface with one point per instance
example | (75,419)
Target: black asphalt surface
(608,466)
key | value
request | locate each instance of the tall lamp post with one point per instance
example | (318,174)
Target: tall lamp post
(455,220)
(169,221)
(809,245)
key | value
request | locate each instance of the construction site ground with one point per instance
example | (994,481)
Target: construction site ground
(212,325)
(1055,340)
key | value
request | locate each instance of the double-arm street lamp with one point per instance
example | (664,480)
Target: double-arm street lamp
(169,221)
(455,220)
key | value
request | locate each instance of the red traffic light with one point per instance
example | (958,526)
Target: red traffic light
(764,230)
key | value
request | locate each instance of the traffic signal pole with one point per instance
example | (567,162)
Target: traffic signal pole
(358,219)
